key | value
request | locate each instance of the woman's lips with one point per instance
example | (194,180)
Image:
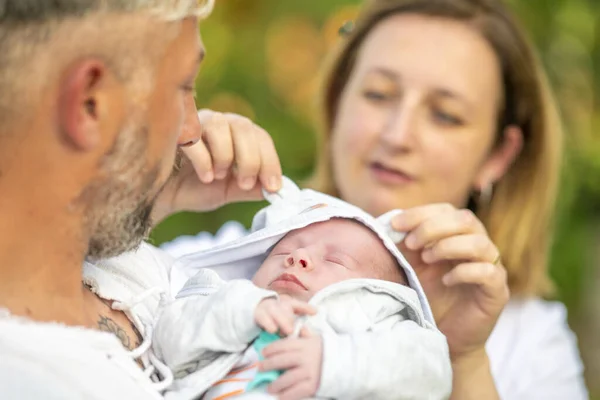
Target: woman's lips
(389,175)
(287,281)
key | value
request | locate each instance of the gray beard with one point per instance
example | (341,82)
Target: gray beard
(119,205)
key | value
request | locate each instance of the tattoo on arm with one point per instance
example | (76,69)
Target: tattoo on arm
(106,324)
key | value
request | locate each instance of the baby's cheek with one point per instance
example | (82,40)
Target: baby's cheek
(261,278)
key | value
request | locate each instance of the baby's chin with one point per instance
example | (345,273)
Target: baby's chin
(302,296)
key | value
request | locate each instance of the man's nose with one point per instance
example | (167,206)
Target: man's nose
(191,130)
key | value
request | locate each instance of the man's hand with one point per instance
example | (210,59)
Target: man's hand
(275,315)
(226,158)
(301,359)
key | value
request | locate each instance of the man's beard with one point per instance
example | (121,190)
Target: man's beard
(119,204)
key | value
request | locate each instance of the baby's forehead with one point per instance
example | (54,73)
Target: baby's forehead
(339,226)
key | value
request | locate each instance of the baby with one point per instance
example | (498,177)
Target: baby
(353,318)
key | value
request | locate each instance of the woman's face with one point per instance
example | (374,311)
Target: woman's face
(416,122)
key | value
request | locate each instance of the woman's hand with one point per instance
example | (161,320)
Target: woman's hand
(226,158)
(460,270)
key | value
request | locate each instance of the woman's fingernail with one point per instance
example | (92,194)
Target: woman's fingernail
(409,241)
(427,256)
(398,222)
(446,279)
(221,174)
(208,177)
(247,183)
(273,183)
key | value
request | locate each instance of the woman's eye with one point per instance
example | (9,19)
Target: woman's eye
(376,96)
(445,118)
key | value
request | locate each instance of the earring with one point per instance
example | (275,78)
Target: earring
(485,195)
(346,29)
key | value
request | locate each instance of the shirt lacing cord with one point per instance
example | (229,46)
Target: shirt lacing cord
(144,351)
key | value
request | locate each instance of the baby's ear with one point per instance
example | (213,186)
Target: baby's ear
(386,222)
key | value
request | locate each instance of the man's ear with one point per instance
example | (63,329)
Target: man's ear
(80,105)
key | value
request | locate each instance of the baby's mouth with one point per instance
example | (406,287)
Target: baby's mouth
(289,278)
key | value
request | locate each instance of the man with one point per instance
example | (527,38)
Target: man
(93,96)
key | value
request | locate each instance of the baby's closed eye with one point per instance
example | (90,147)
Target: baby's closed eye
(335,260)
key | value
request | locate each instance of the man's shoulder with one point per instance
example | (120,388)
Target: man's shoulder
(53,361)
(135,277)
(146,267)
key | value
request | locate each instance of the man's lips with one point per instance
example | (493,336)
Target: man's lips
(289,278)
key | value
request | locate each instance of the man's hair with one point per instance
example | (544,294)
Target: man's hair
(40,11)
(39,38)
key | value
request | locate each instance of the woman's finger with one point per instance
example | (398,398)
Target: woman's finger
(410,218)
(270,170)
(246,149)
(492,279)
(216,133)
(451,223)
(470,247)
(201,160)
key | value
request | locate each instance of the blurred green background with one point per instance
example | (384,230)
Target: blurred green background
(263,61)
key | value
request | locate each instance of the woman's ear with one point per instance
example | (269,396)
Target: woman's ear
(500,158)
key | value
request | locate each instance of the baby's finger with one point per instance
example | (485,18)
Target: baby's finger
(284,318)
(305,332)
(279,361)
(299,391)
(282,346)
(201,159)
(443,225)
(265,321)
(472,248)
(286,381)
(270,170)
(217,135)
(302,307)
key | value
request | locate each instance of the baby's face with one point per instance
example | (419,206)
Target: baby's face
(310,259)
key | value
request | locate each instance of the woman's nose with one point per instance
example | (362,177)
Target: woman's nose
(399,130)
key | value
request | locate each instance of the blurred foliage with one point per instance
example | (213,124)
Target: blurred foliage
(263,61)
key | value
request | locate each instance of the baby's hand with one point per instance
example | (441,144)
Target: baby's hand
(280,314)
(301,359)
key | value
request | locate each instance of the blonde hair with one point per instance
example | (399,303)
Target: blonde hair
(16,12)
(519,216)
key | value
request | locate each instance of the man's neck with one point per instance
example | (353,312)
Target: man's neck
(41,256)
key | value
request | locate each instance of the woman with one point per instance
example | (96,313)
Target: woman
(442,109)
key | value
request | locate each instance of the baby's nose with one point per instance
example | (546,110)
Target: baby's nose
(299,258)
